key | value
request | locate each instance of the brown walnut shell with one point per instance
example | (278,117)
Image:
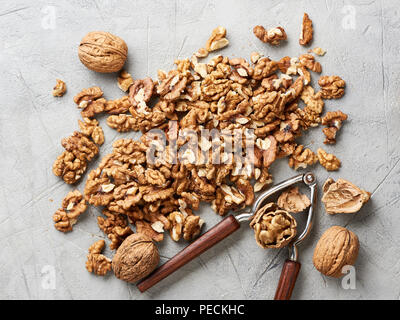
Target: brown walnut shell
(103,52)
(336,248)
(343,196)
(136,258)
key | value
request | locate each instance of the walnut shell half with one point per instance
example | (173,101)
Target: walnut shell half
(343,197)
(136,258)
(102,52)
(273,228)
(337,248)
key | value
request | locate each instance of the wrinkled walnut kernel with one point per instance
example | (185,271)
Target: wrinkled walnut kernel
(124,81)
(141,91)
(308,61)
(96,262)
(68,167)
(302,157)
(306,30)
(91,128)
(72,207)
(332,87)
(90,101)
(216,41)
(273,228)
(59,89)
(333,121)
(272,36)
(328,160)
(80,146)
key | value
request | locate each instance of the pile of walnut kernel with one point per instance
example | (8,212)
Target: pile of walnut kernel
(225,94)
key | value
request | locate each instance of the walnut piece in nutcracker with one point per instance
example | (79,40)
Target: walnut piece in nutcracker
(136,258)
(272,36)
(329,161)
(343,196)
(72,207)
(59,89)
(103,52)
(98,263)
(306,34)
(273,228)
(337,247)
(333,121)
(332,87)
(293,201)
(90,127)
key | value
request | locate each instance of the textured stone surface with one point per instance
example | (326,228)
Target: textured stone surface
(34,52)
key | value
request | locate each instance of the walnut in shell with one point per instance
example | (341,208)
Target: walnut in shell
(343,197)
(136,258)
(103,52)
(273,228)
(336,248)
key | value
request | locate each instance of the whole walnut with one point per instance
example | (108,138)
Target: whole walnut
(136,258)
(102,52)
(336,248)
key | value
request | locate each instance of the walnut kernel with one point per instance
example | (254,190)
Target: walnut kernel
(59,89)
(273,228)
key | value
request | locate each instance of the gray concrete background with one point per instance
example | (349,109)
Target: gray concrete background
(39,42)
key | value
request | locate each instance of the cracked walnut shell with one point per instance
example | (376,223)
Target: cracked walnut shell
(102,52)
(343,196)
(136,258)
(336,248)
(293,201)
(273,228)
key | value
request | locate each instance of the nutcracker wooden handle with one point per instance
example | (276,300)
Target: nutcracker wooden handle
(287,280)
(196,248)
